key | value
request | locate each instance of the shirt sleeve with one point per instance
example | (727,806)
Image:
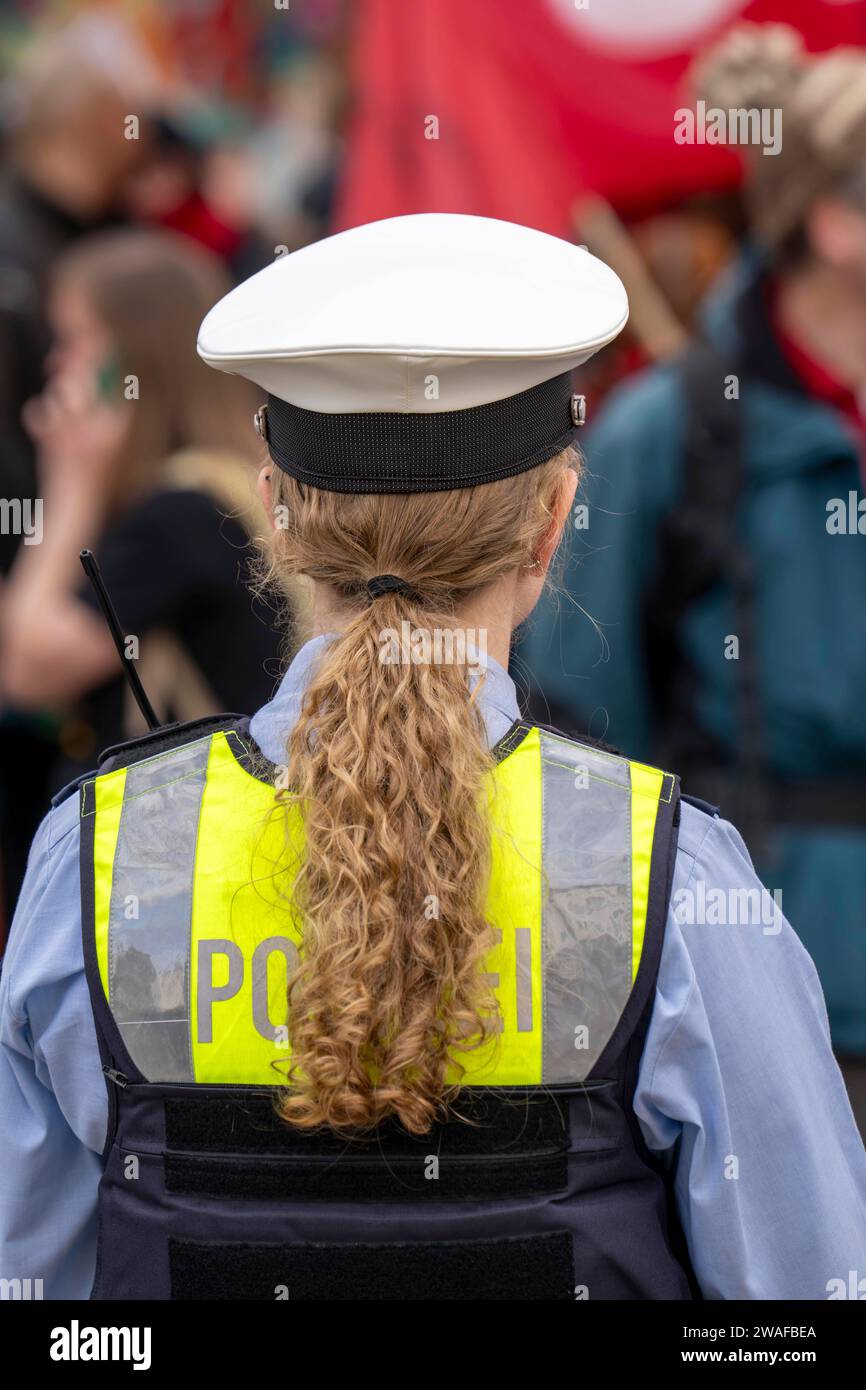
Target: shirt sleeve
(738,1087)
(52,1092)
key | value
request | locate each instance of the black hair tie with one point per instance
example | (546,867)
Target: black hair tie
(387,584)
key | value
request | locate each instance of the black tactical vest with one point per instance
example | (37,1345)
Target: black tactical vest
(541,1191)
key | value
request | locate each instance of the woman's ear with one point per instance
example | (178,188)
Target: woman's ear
(266,491)
(530,578)
(559,514)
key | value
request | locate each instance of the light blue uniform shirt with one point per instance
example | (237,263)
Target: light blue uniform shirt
(737,1088)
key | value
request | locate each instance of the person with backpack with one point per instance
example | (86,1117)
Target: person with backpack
(714,618)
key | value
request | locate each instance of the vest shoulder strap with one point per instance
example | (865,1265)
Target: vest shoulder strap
(167,736)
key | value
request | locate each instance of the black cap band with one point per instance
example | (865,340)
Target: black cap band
(381,451)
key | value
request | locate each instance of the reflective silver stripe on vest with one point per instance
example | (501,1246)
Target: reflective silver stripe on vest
(586,926)
(150,916)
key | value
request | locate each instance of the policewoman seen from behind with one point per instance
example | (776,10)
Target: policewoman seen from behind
(444,935)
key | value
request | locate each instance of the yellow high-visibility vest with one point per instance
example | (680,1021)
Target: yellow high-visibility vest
(188,860)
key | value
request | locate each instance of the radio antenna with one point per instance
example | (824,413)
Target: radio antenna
(91,569)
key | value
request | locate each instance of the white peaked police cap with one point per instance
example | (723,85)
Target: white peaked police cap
(418,353)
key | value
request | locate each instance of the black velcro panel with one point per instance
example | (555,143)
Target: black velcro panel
(350,1178)
(510,1144)
(512,1120)
(523,1267)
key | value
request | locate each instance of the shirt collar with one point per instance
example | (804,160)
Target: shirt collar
(271,725)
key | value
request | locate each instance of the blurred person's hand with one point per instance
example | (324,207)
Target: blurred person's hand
(229,185)
(52,645)
(77,433)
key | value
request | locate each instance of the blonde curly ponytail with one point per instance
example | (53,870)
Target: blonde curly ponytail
(387,766)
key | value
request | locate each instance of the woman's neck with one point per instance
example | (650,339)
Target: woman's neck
(824,311)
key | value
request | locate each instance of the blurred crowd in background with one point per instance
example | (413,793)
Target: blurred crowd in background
(152,156)
(155,153)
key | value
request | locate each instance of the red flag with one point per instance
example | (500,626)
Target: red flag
(511,108)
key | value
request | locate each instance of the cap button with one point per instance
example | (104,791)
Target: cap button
(260,422)
(578,410)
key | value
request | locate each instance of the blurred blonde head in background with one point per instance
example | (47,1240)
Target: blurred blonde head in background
(822,158)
